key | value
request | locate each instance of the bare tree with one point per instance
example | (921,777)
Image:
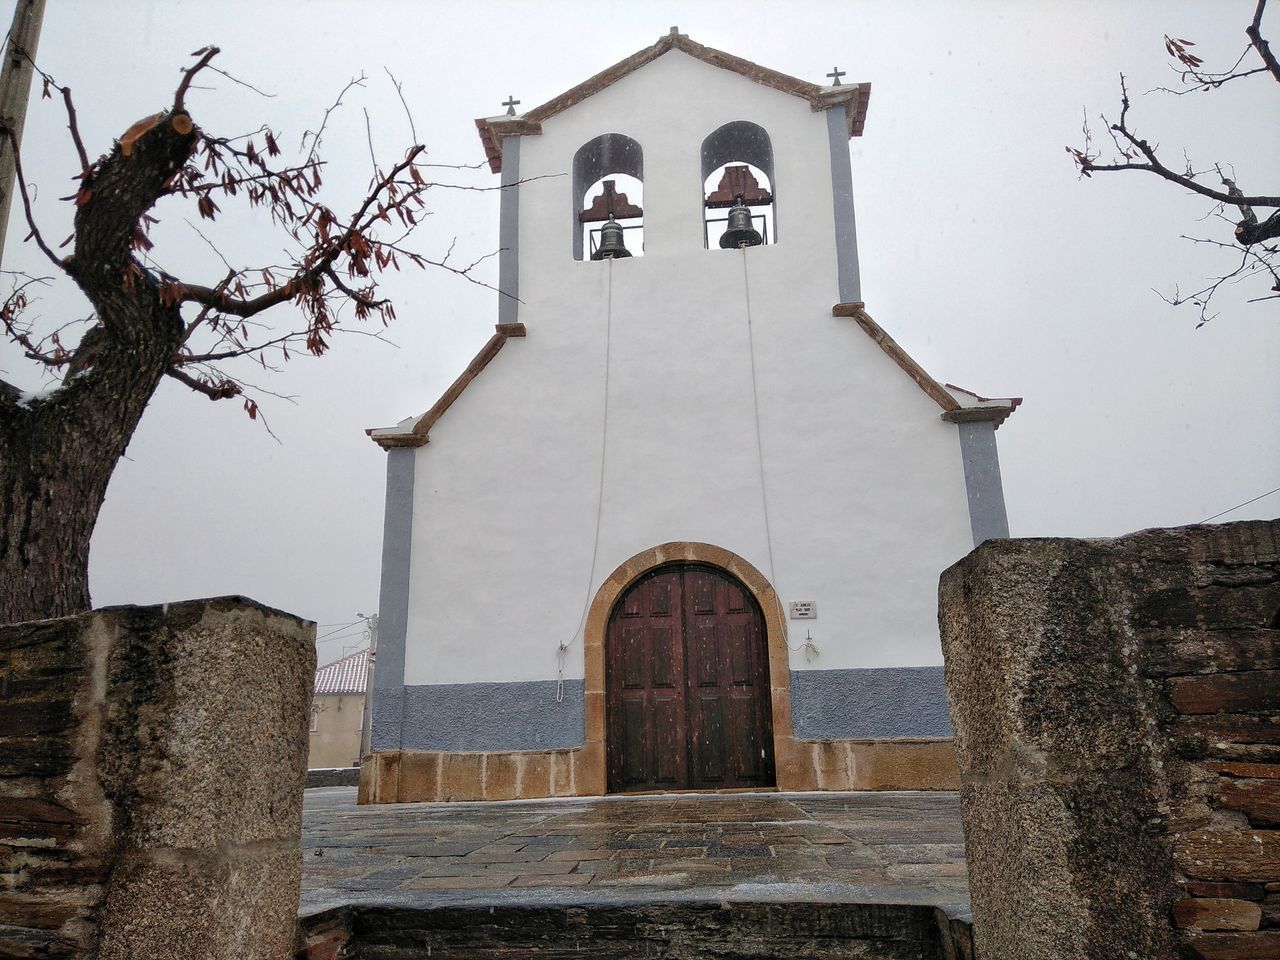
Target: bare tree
(58,450)
(1255,255)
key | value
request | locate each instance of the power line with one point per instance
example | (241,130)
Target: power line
(344,636)
(341,627)
(1239,505)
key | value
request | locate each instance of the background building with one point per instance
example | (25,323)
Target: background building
(337,712)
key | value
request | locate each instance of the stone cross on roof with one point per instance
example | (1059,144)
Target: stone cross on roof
(835,75)
(510,104)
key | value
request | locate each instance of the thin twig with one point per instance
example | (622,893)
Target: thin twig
(206,54)
(261,93)
(368,133)
(26,203)
(324,121)
(413,131)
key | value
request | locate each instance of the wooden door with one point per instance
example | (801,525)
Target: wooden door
(687,684)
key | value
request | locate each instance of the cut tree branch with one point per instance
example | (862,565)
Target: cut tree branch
(223,390)
(75,131)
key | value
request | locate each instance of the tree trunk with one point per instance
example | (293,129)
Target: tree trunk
(57,453)
(56,459)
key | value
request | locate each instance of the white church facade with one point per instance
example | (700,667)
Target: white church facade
(680,523)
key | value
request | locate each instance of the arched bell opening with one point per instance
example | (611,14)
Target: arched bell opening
(608,195)
(738,187)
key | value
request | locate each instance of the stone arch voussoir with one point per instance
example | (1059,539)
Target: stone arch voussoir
(786,751)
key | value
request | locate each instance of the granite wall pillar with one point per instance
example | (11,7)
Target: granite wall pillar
(152,762)
(1116,706)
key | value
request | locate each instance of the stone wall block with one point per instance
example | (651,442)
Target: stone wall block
(1216,607)
(152,784)
(1228,891)
(1226,736)
(831,763)
(1174,652)
(562,784)
(1253,691)
(794,765)
(1259,800)
(1217,914)
(1257,945)
(903,765)
(461,776)
(1247,855)
(419,775)
(535,775)
(500,776)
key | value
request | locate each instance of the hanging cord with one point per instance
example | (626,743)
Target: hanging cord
(764,493)
(755,400)
(809,647)
(563,650)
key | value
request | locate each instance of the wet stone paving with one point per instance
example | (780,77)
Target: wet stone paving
(878,848)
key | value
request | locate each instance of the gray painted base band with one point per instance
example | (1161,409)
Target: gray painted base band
(869,704)
(492,716)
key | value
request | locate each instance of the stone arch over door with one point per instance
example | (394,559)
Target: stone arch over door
(791,766)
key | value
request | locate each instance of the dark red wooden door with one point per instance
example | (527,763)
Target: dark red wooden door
(687,684)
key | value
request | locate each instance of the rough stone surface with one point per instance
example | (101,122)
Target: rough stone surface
(1115,705)
(151,795)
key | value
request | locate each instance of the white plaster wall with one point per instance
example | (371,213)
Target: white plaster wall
(864,482)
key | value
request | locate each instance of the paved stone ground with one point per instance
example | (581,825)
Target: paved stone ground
(881,848)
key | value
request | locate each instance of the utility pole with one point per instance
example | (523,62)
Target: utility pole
(15,92)
(366,723)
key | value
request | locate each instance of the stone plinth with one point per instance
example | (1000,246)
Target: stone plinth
(151,773)
(1115,709)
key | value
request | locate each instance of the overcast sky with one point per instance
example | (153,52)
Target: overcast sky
(982,253)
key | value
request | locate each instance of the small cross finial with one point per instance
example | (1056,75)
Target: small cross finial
(835,75)
(510,104)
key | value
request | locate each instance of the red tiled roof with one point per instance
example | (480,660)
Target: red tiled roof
(347,675)
(853,96)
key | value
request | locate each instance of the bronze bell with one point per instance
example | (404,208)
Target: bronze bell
(611,246)
(740,232)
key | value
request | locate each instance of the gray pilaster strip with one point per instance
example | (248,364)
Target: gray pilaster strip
(987,517)
(509,233)
(842,197)
(393,601)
